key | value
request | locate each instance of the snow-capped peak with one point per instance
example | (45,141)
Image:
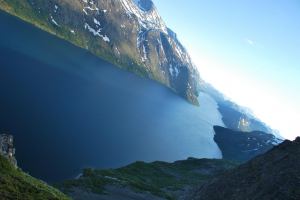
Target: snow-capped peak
(146,14)
(145,5)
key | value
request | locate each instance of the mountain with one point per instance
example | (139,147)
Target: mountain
(243,146)
(274,175)
(128,33)
(15,184)
(145,181)
(243,136)
(234,116)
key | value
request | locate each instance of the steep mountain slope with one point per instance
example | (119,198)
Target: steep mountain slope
(15,184)
(128,33)
(243,146)
(157,180)
(274,175)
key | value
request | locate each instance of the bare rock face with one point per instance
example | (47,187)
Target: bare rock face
(274,175)
(7,149)
(128,33)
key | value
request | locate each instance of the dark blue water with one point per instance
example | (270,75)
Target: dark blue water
(69,109)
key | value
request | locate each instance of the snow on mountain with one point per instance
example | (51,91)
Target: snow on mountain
(148,18)
(144,5)
(128,33)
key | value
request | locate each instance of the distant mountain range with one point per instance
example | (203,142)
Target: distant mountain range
(243,136)
(234,116)
(128,33)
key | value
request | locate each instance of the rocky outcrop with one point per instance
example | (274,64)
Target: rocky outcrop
(242,146)
(128,33)
(7,149)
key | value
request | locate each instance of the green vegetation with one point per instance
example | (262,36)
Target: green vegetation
(16,185)
(27,12)
(159,178)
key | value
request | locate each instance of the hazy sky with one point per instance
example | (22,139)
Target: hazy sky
(248,49)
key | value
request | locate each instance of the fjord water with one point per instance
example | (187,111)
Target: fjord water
(68,109)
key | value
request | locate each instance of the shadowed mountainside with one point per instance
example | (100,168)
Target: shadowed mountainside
(243,146)
(274,175)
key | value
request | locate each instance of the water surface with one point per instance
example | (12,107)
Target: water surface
(69,109)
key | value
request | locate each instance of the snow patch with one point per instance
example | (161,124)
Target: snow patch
(173,71)
(176,71)
(91,6)
(85,12)
(144,57)
(96,32)
(53,21)
(117,51)
(105,38)
(96,22)
(274,141)
(55,8)
(90,29)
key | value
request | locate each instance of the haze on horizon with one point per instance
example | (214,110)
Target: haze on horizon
(249,50)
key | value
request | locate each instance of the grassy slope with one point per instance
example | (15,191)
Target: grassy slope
(159,178)
(15,185)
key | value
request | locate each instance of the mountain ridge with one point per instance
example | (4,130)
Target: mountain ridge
(233,114)
(145,181)
(273,175)
(120,32)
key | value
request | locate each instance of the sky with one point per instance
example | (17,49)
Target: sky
(247,49)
